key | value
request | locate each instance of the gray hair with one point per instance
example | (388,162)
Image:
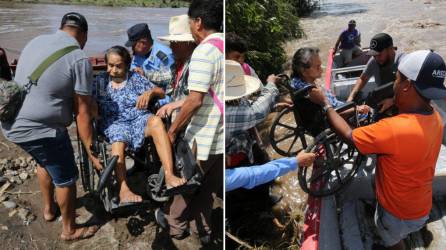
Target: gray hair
(302,60)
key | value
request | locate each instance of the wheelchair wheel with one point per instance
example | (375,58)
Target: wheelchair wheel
(87,171)
(334,171)
(156,188)
(286,137)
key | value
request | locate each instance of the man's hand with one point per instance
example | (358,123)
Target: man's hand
(385,104)
(96,162)
(273,79)
(143,100)
(167,109)
(317,96)
(363,109)
(305,159)
(139,70)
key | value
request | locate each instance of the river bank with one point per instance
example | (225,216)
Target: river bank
(114,3)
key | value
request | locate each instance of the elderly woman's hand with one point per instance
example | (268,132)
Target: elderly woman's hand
(143,100)
(139,70)
(317,96)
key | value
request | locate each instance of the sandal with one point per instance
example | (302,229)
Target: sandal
(80,233)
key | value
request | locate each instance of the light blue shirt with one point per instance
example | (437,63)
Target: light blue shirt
(156,65)
(252,176)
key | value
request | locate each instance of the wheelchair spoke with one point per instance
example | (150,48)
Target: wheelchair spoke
(292,144)
(339,176)
(287,126)
(285,137)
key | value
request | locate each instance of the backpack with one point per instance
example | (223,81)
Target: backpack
(12,94)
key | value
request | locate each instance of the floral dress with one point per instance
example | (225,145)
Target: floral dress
(120,120)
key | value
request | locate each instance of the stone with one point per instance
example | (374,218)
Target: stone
(3,198)
(4,228)
(24,175)
(23,213)
(9,204)
(3,179)
(12,213)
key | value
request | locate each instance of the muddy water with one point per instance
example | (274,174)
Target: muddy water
(416,24)
(19,23)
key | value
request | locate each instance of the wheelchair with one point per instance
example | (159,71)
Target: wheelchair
(305,127)
(104,185)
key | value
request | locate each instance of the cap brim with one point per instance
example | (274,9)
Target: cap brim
(177,38)
(431,92)
(246,86)
(372,53)
(129,44)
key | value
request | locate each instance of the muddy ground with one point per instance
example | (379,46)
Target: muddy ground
(136,229)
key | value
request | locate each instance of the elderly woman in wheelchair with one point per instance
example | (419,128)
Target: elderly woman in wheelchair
(123,117)
(338,162)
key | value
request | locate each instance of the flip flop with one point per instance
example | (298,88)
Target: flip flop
(85,233)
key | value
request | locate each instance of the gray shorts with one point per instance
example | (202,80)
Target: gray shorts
(392,229)
(347,54)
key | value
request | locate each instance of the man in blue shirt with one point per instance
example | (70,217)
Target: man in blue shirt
(350,40)
(252,176)
(150,58)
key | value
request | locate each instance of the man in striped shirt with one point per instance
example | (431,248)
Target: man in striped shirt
(203,107)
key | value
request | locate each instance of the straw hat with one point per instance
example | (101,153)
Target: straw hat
(179,30)
(237,84)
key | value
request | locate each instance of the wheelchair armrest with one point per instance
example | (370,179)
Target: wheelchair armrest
(346,106)
(300,93)
(378,94)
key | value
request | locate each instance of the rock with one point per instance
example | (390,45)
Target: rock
(16,180)
(11,172)
(12,213)
(23,213)
(3,198)
(4,228)
(17,163)
(24,175)
(3,179)
(29,160)
(23,165)
(9,204)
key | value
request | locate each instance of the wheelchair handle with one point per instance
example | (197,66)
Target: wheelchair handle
(285,81)
(106,173)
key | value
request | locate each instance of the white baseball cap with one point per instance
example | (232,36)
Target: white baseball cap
(427,70)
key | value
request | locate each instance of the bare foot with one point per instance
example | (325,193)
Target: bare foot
(173,181)
(80,233)
(125,195)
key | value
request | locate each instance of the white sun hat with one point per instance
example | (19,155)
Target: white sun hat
(179,30)
(237,84)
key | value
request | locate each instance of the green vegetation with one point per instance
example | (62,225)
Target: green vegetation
(135,3)
(266,25)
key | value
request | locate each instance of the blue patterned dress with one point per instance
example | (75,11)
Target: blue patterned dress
(297,83)
(120,121)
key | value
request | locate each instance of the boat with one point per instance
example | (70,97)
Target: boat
(345,220)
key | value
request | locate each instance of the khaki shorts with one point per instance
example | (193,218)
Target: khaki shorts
(392,229)
(347,54)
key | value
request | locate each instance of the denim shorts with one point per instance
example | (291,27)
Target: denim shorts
(56,156)
(392,229)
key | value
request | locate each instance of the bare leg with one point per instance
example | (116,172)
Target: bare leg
(66,198)
(125,194)
(155,129)
(47,189)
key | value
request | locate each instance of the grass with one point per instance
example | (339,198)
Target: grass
(133,3)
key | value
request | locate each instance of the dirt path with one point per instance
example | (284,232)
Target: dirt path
(136,230)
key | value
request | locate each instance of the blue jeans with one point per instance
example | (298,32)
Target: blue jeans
(56,156)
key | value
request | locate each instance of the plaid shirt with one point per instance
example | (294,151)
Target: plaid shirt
(297,83)
(244,115)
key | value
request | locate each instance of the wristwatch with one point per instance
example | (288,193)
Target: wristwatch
(326,108)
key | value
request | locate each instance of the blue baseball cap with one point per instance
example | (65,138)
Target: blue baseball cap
(427,70)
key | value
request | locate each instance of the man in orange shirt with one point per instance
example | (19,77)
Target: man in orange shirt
(407,146)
